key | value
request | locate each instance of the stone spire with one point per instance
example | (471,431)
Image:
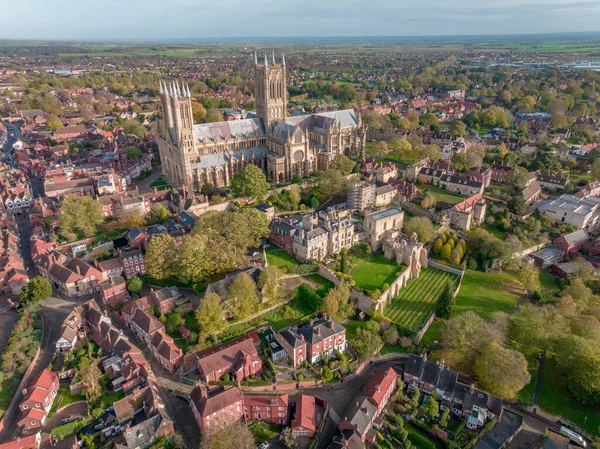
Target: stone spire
(187,90)
(255,58)
(273,57)
(266,64)
(160,89)
(175,89)
(283,60)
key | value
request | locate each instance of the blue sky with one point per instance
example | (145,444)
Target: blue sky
(168,19)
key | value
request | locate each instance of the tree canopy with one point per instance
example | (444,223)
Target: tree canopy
(251,182)
(79,215)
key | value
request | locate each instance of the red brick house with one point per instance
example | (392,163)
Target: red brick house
(28,442)
(166,299)
(37,401)
(321,336)
(70,132)
(310,411)
(268,408)
(573,242)
(238,357)
(366,408)
(166,351)
(114,291)
(216,408)
(133,263)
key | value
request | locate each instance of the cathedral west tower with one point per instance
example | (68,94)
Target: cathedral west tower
(271,91)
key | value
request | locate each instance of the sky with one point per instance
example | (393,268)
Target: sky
(173,19)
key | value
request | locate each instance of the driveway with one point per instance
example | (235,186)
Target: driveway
(8,320)
(75,409)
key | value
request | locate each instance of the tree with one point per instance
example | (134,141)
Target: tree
(53,122)
(326,374)
(446,302)
(134,153)
(428,201)
(536,328)
(198,112)
(390,336)
(529,276)
(455,256)
(134,127)
(343,163)
(161,256)
(422,226)
(90,377)
(596,168)
(466,334)
(241,296)
(337,302)
(37,289)
(79,214)
(289,438)
(134,285)
(330,181)
(235,435)
(198,258)
(366,343)
(578,360)
(209,315)
(460,162)
(501,371)
(173,321)
(437,246)
(251,182)
(458,129)
(271,284)
(160,214)
(432,406)
(379,150)
(517,205)
(294,196)
(517,177)
(446,251)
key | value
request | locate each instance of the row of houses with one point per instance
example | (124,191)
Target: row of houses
(465,401)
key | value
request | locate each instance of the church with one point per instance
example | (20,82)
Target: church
(211,153)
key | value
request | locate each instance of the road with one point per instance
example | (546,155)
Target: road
(24,226)
(8,147)
(53,312)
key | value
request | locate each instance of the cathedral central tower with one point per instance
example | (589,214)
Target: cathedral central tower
(270,91)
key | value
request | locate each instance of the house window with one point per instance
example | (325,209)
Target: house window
(25,407)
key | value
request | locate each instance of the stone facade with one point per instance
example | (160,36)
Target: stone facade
(378,223)
(282,146)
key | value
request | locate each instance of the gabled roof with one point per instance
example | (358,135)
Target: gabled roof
(305,413)
(216,399)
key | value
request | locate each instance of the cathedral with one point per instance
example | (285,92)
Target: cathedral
(211,153)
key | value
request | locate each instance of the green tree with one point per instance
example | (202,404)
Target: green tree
(198,258)
(455,256)
(337,302)
(53,122)
(446,303)
(326,374)
(529,277)
(437,246)
(134,127)
(271,284)
(343,163)
(90,376)
(432,406)
(330,181)
(209,315)
(134,153)
(134,285)
(446,251)
(366,343)
(390,336)
(36,290)
(241,296)
(379,149)
(421,226)
(236,435)
(173,321)
(517,205)
(161,256)
(536,328)
(198,112)
(79,214)
(251,182)
(160,214)
(458,129)
(578,360)
(501,371)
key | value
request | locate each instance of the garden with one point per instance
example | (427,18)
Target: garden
(415,302)
(160,184)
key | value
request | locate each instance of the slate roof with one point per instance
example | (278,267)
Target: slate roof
(360,413)
(414,365)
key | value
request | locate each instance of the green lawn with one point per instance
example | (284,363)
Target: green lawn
(486,293)
(417,300)
(433,334)
(351,327)
(280,258)
(371,271)
(494,230)
(443,195)
(420,439)
(547,282)
(64,398)
(263,431)
(110,397)
(323,285)
(555,398)
(391,349)
(287,315)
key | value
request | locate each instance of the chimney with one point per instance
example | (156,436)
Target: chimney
(472,388)
(78,270)
(330,322)
(377,388)
(318,331)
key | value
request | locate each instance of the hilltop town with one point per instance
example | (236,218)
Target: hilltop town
(299,247)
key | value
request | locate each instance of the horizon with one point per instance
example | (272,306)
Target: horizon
(179,19)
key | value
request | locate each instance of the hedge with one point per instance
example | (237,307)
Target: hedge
(459,428)
(62,432)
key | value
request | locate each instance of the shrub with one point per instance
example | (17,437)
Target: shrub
(62,432)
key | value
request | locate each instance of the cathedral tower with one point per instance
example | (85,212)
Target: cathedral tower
(179,132)
(270,91)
